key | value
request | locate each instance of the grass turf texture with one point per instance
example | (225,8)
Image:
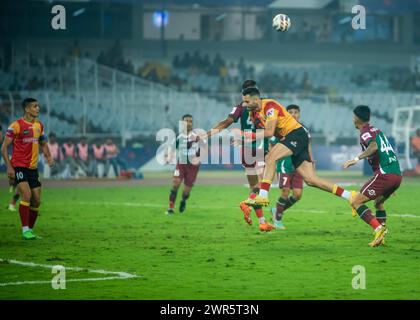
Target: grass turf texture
(209,252)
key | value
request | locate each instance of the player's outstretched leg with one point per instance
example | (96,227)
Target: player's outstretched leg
(185,196)
(172,198)
(358,203)
(380,210)
(172,195)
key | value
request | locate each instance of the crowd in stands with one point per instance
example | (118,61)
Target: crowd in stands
(84,158)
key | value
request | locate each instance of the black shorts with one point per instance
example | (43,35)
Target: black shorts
(27,175)
(298,142)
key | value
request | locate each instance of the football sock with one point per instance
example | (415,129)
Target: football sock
(280,207)
(381,216)
(185,196)
(33,214)
(264,188)
(172,198)
(253,193)
(24,215)
(290,202)
(15,199)
(260,214)
(366,215)
(338,191)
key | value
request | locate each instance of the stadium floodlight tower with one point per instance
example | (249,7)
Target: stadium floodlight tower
(406,122)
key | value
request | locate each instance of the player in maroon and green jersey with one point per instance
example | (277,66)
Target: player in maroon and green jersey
(27,136)
(386,169)
(255,169)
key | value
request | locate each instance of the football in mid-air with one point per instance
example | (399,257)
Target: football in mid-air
(281,22)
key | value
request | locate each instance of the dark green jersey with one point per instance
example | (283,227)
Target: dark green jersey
(384,160)
(241,114)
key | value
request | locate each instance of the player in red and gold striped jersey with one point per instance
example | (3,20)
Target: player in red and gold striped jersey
(26,135)
(294,142)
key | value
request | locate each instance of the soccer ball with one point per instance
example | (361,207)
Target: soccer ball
(281,22)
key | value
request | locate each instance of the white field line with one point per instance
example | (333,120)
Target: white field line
(154,205)
(115,275)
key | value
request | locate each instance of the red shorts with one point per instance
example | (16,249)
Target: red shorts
(381,185)
(255,167)
(291,181)
(187,172)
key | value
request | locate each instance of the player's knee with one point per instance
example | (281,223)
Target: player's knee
(285,193)
(310,181)
(270,158)
(297,196)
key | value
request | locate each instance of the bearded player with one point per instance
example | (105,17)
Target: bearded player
(253,169)
(289,179)
(187,165)
(294,141)
(27,136)
(386,170)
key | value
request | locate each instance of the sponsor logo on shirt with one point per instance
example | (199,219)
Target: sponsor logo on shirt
(270,112)
(30,140)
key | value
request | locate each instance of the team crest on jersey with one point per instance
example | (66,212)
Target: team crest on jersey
(372,192)
(270,112)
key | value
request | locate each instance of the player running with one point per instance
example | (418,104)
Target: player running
(289,179)
(26,135)
(294,141)
(187,166)
(386,169)
(253,170)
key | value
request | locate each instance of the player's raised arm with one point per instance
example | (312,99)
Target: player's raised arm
(4,152)
(220,126)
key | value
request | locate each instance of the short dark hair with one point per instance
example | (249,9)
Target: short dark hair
(248,84)
(293,107)
(186,116)
(362,112)
(27,101)
(52,135)
(252,91)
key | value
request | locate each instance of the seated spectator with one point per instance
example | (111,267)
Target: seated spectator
(69,152)
(415,145)
(113,158)
(57,155)
(99,158)
(186,61)
(84,157)
(176,63)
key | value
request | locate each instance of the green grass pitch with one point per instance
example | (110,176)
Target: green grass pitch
(209,252)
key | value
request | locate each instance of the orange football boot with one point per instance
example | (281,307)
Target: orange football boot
(246,210)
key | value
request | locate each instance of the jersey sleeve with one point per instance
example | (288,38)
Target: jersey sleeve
(366,138)
(236,113)
(42,137)
(272,111)
(13,130)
